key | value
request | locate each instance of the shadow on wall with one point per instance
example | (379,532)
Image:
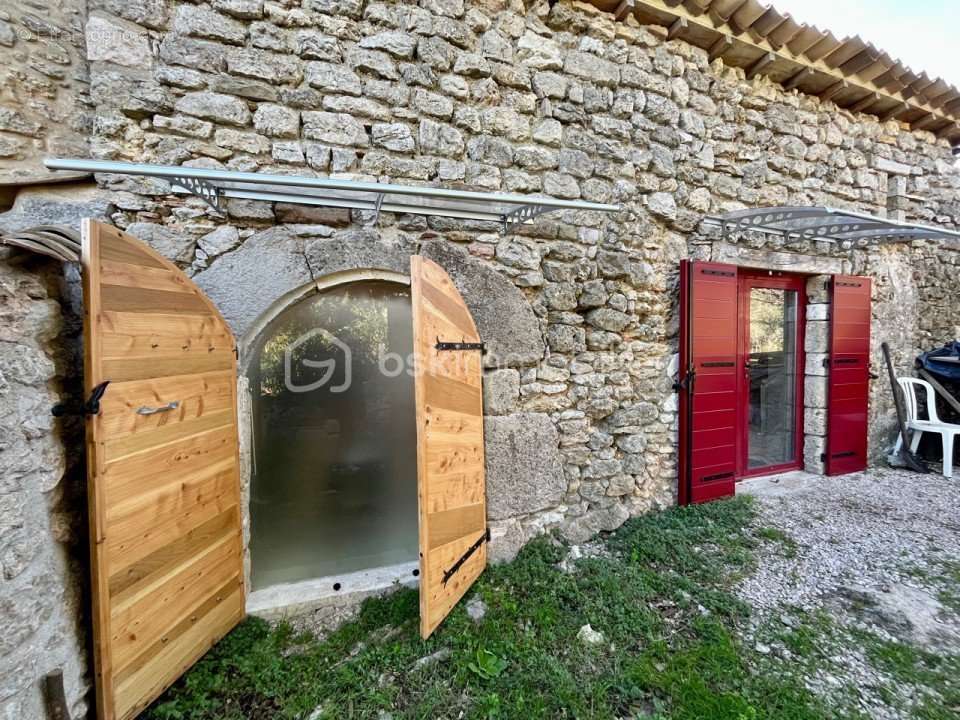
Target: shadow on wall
(44,596)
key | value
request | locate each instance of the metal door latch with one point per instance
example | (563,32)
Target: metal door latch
(90,407)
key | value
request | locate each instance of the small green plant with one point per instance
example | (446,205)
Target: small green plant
(487,665)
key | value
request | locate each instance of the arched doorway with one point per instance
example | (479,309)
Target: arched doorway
(333,436)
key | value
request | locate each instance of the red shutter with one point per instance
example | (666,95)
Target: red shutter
(848,382)
(708,381)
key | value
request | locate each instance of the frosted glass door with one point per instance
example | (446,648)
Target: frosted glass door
(334,486)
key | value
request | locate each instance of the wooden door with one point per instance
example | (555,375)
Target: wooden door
(707,381)
(848,379)
(450,462)
(163,471)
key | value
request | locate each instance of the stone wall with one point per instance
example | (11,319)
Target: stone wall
(496,95)
(579,309)
(44,88)
(43,603)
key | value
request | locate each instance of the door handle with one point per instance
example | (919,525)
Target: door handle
(145,410)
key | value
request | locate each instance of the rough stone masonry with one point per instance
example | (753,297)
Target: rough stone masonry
(579,310)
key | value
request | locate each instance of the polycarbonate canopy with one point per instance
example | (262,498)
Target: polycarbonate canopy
(824,223)
(214,185)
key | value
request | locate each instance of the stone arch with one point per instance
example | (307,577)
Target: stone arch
(271,264)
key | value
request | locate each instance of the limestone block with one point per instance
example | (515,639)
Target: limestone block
(506,539)
(580,529)
(175,246)
(116,41)
(501,390)
(503,315)
(815,391)
(818,289)
(815,364)
(245,282)
(440,139)
(815,421)
(276,120)
(264,65)
(818,311)
(524,470)
(817,336)
(813,447)
(215,106)
(398,44)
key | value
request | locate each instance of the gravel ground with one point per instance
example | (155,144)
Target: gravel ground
(871,529)
(870,549)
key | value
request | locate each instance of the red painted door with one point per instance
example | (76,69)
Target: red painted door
(848,380)
(707,381)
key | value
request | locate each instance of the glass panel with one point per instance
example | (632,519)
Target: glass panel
(334,485)
(772,372)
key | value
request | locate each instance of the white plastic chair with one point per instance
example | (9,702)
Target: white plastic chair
(933,424)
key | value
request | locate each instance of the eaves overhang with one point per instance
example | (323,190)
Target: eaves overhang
(851,72)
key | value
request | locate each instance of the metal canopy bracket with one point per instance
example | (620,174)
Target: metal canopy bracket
(210,194)
(521,215)
(824,223)
(506,210)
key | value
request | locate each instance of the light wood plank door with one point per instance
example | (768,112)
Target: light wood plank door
(163,471)
(450,460)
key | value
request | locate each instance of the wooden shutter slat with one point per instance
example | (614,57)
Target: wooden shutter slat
(137,276)
(708,377)
(145,300)
(197,394)
(450,459)
(848,378)
(164,492)
(154,366)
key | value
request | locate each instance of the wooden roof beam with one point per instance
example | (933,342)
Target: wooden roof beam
(624,9)
(723,43)
(798,77)
(831,91)
(924,122)
(868,101)
(760,64)
(679,26)
(898,109)
(951,129)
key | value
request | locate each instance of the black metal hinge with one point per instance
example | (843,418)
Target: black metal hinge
(90,407)
(461,346)
(447,574)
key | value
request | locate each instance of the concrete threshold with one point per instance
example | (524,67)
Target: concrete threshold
(781,484)
(300,598)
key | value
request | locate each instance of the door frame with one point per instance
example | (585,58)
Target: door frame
(747,279)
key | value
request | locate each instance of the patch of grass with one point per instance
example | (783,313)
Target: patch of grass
(934,675)
(662,599)
(778,536)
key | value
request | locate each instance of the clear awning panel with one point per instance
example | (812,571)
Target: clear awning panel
(824,223)
(213,185)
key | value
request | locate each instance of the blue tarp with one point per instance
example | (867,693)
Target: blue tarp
(934,364)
